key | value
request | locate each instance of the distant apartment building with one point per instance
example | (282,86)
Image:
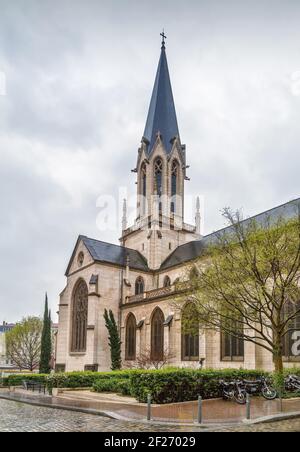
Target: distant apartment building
(4,328)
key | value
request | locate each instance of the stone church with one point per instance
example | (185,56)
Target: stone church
(136,279)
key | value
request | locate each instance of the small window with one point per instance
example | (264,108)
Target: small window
(167,282)
(80,259)
(139,286)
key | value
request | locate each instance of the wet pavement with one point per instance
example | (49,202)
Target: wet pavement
(214,411)
(18,417)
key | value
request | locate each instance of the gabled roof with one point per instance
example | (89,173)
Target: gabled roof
(111,254)
(190,251)
(162,114)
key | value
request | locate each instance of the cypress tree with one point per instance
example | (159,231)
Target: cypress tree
(46,344)
(113,340)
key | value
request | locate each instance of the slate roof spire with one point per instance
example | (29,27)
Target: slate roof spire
(162,114)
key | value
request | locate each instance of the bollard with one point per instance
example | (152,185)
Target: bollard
(248,407)
(199,410)
(149,407)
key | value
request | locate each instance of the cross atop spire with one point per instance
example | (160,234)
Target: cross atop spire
(162,114)
(164,37)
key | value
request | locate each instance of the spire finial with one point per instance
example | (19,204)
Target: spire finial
(164,37)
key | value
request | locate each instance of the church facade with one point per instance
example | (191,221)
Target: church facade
(137,279)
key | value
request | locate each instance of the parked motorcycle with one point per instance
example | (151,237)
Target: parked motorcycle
(260,387)
(233,390)
(292,383)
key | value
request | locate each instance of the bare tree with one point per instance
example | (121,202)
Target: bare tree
(145,360)
(23,343)
(247,282)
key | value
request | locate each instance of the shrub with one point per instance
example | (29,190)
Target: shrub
(183,385)
(292,371)
(113,385)
(84,379)
(17,379)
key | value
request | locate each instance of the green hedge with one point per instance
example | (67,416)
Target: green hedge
(113,385)
(84,379)
(183,385)
(17,379)
(292,371)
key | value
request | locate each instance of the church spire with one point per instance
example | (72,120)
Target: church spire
(162,117)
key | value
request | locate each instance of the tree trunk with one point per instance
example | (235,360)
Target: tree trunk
(278,362)
(278,359)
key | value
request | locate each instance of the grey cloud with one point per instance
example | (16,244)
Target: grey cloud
(79,78)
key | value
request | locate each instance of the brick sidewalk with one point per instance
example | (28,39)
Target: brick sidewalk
(17,417)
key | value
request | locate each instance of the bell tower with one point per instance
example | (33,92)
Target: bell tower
(161,174)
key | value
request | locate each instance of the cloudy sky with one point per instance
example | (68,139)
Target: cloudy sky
(79,75)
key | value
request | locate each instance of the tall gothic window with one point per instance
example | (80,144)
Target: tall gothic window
(80,317)
(174,185)
(130,352)
(190,334)
(139,286)
(292,335)
(232,346)
(157,335)
(158,173)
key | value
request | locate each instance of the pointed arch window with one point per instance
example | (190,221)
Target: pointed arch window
(190,333)
(232,345)
(167,281)
(157,335)
(174,184)
(139,286)
(80,317)
(130,349)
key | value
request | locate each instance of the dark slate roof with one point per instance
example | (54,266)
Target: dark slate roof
(162,114)
(111,254)
(192,250)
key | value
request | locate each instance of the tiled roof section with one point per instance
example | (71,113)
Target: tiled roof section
(162,114)
(192,250)
(112,254)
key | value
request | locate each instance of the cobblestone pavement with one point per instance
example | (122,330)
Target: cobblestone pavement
(18,417)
